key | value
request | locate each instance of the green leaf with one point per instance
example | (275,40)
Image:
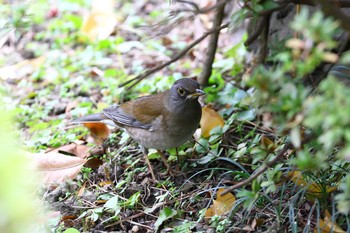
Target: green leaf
(206,159)
(133,200)
(185,227)
(247,115)
(164,214)
(71,230)
(202,146)
(113,204)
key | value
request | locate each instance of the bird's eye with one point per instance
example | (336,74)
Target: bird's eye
(181,91)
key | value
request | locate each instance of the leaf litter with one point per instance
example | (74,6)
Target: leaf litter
(107,187)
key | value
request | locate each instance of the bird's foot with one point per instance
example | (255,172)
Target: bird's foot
(171,172)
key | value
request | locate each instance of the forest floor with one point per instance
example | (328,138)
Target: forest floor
(55,70)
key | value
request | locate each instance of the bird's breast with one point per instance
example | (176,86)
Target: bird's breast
(166,132)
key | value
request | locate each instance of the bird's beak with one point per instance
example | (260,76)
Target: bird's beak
(197,93)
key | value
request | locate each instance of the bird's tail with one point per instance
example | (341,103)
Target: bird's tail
(93,118)
(88,119)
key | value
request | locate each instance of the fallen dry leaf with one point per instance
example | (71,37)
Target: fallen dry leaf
(327,226)
(82,151)
(21,69)
(56,166)
(71,105)
(81,190)
(210,119)
(222,205)
(313,189)
(98,130)
(100,22)
(105,183)
(267,144)
(93,163)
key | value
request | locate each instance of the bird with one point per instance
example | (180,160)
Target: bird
(160,121)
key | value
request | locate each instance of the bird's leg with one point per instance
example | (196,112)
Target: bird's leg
(145,153)
(169,170)
(165,162)
(177,158)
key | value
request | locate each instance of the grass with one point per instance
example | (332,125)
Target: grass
(76,77)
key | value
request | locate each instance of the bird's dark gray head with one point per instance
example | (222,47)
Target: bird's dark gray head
(183,95)
(186,88)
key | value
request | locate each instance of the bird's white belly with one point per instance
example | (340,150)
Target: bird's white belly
(158,140)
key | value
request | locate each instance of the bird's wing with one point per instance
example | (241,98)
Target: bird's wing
(138,113)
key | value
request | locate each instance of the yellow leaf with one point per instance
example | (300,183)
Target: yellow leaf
(267,144)
(222,205)
(327,226)
(313,189)
(210,119)
(100,22)
(105,183)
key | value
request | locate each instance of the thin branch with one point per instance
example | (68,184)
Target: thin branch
(125,220)
(265,166)
(212,45)
(197,10)
(147,73)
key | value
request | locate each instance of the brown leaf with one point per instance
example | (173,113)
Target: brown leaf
(93,163)
(71,105)
(99,131)
(82,151)
(210,119)
(55,168)
(257,222)
(81,190)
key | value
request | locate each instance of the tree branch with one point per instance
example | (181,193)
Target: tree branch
(265,166)
(147,73)
(203,78)
(197,10)
(258,31)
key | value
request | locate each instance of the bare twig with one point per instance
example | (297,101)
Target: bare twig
(265,166)
(198,10)
(126,219)
(212,45)
(147,73)
(141,225)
